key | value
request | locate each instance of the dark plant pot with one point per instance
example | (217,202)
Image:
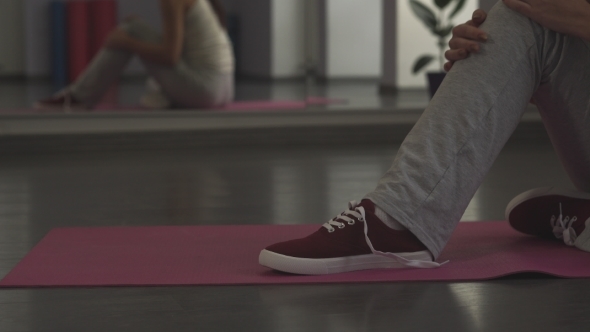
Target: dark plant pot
(434,81)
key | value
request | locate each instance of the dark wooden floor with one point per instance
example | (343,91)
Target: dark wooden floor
(261,186)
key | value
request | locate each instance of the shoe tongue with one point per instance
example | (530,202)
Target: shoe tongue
(368,205)
(578,208)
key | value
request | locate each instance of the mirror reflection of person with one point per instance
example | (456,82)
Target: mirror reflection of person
(525,49)
(190,64)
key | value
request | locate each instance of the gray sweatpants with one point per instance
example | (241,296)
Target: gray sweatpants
(445,157)
(182,85)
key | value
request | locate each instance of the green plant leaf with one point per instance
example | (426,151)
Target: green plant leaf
(442,3)
(424,14)
(444,32)
(460,4)
(422,62)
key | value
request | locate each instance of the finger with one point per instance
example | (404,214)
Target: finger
(448,66)
(479,16)
(469,32)
(456,55)
(519,6)
(465,44)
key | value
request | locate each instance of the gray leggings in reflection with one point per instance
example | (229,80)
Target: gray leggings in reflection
(182,85)
(444,159)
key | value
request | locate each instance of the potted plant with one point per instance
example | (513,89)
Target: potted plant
(441,26)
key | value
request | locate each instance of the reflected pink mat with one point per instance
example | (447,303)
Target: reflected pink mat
(254,105)
(228,255)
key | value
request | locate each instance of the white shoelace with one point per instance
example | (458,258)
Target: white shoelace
(562,228)
(358,212)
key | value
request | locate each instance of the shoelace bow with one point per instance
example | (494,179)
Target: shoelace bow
(562,228)
(357,213)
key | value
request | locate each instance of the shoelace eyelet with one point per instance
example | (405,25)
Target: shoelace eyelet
(332,230)
(351,223)
(341,226)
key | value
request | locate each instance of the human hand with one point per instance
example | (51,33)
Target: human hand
(118,39)
(571,17)
(466,39)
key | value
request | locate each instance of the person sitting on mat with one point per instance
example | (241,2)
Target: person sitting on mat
(537,49)
(191,64)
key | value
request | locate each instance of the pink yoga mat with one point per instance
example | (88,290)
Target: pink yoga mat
(228,255)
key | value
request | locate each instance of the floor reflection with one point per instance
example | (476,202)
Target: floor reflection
(492,306)
(391,307)
(15,241)
(15,219)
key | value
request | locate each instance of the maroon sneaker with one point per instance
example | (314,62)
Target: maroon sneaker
(62,101)
(552,213)
(354,240)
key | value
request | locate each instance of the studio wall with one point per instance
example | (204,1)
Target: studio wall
(288,33)
(255,37)
(36,41)
(11,38)
(354,38)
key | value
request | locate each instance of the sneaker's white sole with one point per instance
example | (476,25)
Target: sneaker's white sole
(317,266)
(540,192)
